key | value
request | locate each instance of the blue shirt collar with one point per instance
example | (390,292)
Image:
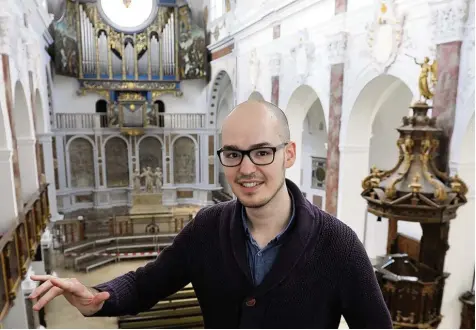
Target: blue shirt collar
(245,218)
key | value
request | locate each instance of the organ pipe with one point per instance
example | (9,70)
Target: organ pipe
(98,59)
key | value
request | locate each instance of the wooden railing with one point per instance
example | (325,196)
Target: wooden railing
(18,246)
(100,120)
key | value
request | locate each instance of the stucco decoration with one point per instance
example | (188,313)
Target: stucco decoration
(303,56)
(447,19)
(385,35)
(254,69)
(337,47)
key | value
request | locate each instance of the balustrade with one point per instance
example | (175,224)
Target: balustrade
(18,246)
(100,120)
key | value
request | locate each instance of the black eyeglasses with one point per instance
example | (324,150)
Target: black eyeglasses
(259,156)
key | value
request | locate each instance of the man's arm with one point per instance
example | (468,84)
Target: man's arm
(139,290)
(362,300)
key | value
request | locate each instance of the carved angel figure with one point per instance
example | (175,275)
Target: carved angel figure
(147,173)
(428,71)
(136,178)
(158,179)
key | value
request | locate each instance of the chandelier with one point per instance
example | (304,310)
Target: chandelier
(127,3)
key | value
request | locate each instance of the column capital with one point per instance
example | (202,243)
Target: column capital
(337,47)
(447,19)
(45,137)
(26,141)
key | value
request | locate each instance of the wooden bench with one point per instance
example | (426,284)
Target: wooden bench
(180,310)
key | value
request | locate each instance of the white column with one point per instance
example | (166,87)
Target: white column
(460,257)
(28,166)
(7,182)
(204,156)
(354,167)
(47,145)
(16,317)
(60,155)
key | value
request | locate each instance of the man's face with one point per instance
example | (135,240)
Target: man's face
(256,185)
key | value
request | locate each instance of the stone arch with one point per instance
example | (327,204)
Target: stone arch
(24,132)
(22,114)
(369,139)
(118,155)
(80,162)
(150,149)
(301,100)
(256,96)
(220,84)
(185,160)
(40,122)
(314,154)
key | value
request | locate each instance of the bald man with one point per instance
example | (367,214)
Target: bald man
(269,259)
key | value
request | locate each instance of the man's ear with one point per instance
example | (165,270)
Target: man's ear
(290,154)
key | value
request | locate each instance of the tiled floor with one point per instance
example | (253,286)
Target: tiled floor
(60,314)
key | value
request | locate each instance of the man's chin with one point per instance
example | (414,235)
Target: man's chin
(252,203)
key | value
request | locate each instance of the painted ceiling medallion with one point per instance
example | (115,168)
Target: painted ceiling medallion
(385,34)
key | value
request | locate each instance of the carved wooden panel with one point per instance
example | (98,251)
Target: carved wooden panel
(117,163)
(4,299)
(317,200)
(23,247)
(408,245)
(81,163)
(184,194)
(184,161)
(150,153)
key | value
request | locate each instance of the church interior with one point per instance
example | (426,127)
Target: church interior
(110,122)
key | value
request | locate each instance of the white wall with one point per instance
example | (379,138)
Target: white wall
(66,99)
(193,99)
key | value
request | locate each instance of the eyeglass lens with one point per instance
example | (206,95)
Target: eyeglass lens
(261,156)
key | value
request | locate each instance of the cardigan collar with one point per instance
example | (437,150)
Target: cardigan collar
(291,250)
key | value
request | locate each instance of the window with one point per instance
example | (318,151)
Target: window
(128,15)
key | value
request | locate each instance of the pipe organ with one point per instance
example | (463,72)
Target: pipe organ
(106,53)
(129,66)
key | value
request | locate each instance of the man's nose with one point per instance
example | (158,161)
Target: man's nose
(247,166)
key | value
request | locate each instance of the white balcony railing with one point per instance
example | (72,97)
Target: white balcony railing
(100,120)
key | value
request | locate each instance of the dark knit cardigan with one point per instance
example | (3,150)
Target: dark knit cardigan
(322,272)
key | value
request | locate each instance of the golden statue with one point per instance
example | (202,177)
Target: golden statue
(428,72)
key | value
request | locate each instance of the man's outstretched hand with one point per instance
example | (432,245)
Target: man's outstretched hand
(88,301)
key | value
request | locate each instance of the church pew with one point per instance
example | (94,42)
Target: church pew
(178,311)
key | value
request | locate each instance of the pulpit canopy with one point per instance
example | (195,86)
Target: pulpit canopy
(415,189)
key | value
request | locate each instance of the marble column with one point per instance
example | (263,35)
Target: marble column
(45,140)
(448,19)
(9,101)
(340,6)
(337,48)
(275,67)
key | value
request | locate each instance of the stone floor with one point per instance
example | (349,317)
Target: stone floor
(61,315)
